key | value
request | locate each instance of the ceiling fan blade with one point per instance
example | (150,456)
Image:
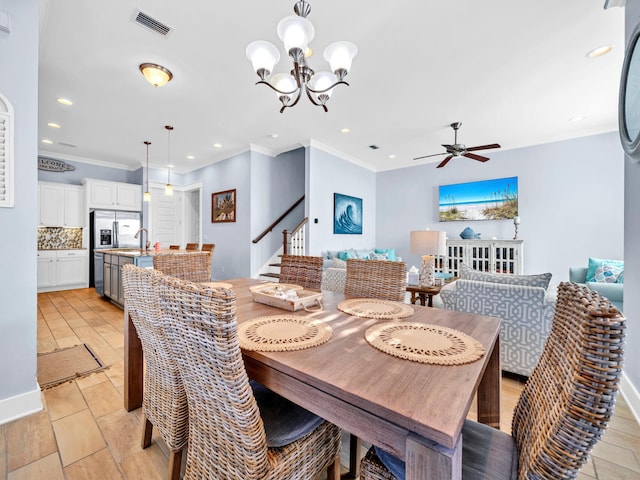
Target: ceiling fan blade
(434,155)
(475,157)
(445,161)
(483,147)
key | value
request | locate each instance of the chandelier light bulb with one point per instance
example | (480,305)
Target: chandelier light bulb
(263,56)
(322,81)
(340,55)
(296,33)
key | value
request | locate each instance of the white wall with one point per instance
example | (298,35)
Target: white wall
(570,202)
(19,392)
(328,174)
(632,255)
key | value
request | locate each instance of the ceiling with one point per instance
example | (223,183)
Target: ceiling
(514,72)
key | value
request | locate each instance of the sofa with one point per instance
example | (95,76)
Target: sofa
(525,303)
(335,264)
(604,276)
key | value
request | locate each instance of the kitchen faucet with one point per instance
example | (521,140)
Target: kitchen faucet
(147,243)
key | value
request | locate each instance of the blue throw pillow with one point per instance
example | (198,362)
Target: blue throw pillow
(607,273)
(620,277)
(391,253)
(594,263)
(345,255)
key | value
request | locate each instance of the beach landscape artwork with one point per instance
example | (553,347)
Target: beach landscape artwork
(484,200)
(347,214)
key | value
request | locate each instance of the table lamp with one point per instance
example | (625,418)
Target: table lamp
(428,243)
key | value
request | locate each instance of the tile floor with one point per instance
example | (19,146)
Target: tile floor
(85,433)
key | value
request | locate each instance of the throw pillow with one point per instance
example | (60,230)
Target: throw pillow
(347,254)
(594,263)
(391,253)
(378,256)
(337,263)
(539,280)
(620,277)
(364,254)
(607,273)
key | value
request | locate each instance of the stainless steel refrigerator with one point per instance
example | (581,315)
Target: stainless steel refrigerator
(110,229)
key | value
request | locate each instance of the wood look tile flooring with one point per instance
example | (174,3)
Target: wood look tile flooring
(85,433)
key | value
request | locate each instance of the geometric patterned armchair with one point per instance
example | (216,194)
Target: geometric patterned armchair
(523,302)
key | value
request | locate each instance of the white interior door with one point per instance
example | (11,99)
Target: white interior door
(166,218)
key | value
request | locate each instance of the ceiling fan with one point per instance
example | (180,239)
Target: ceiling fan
(460,150)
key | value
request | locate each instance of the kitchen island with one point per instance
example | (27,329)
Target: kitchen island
(115,258)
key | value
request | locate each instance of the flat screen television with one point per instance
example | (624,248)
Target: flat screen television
(495,199)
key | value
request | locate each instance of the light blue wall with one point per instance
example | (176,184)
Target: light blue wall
(19,84)
(632,247)
(328,174)
(570,202)
(231,258)
(276,184)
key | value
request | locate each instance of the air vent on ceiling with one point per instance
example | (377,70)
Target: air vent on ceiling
(374,147)
(151,23)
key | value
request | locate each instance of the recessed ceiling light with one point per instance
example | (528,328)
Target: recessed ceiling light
(577,119)
(190,157)
(47,141)
(344,130)
(65,101)
(598,52)
(273,135)
(171,165)
(392,156)
(217,145)
(53,125)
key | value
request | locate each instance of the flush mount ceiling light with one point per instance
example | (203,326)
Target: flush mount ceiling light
(156,75)
(296,32)
(147,194)
(168,188)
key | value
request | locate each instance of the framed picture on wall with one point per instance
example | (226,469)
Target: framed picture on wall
(347,214)
(495,199)
(223,206)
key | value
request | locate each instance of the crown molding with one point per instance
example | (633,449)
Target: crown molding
(325,148)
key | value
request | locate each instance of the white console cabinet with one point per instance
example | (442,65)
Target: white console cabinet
(493,256)
(62,270)
(113,195)
(60,205)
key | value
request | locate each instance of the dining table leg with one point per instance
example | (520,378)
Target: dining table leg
(426,460)
(133,365)
(489,390)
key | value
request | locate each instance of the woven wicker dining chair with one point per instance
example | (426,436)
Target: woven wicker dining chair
(563,409)
(195,267)
(164,402)
(301,270)
(191,247)
(228,437)
(381,279)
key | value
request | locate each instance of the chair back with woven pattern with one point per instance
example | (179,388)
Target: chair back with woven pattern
(208,247)
(301,270)
(194,267)
(191,247)
(568,401)
(226,439)
(164,401)
(381,279)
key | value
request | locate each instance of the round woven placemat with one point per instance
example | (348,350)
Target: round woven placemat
(425,343)
(375,308)
(282,333)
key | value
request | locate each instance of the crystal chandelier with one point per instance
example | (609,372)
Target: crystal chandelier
(296,32)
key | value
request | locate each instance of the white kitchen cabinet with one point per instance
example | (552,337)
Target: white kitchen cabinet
(62,270)
(61,205)
(493,256)
(113,195)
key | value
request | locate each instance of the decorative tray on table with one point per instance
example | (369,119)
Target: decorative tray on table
(287,296)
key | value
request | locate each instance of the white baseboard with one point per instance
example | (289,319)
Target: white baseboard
(631,395)
(21,405)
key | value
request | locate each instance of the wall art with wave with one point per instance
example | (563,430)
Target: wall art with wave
(347,214)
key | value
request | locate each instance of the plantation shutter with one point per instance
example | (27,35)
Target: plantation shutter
(6,153)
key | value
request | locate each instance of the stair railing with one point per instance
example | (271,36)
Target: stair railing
(278,220)
(293,242)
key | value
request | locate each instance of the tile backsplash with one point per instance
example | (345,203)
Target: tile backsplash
(56,238)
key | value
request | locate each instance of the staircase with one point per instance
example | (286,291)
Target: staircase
(293,244)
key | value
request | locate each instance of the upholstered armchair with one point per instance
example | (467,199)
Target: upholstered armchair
(525,303)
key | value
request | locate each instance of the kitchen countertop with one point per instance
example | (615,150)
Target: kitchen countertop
(58,249)
(137,252)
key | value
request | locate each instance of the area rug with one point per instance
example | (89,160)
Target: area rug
(66,364)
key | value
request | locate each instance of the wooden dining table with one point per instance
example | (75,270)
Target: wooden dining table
(414,410)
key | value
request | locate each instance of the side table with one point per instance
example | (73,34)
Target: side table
(425,294)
